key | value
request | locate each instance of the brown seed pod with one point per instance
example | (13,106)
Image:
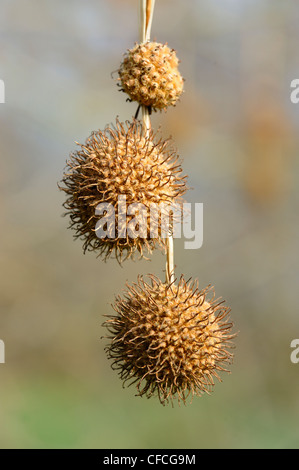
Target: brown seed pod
(169,339)
(120,161)
(149,74)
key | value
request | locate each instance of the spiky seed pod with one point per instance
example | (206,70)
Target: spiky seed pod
(170,339)
(120,161)
(149,74)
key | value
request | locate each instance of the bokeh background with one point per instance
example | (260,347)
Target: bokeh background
(237,132)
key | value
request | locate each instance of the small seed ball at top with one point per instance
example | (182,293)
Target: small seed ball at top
(149,74)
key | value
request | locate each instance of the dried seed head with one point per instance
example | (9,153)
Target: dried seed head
(171,340)
(149,74)
(120,161)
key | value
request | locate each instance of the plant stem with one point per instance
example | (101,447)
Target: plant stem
(146,10)
(170,260)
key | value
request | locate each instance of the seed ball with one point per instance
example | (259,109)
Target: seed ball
(149,74)
(169,339)
(121,161)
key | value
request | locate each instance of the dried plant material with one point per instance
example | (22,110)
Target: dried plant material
(149,74)
(120,161)
(170,339)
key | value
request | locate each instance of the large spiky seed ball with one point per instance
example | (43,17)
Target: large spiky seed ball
(170,339)
(120,161)
(149,74)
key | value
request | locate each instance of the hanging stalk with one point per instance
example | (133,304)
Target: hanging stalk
(146,10)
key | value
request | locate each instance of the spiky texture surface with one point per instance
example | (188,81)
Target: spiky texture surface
(120,160)
(170,339)
(149,74)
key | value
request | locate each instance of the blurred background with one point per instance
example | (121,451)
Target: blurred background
(237,133)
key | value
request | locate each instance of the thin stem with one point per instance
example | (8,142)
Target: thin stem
(170,260)
(146,11)
(146,120)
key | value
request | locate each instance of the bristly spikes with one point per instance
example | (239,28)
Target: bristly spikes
(120,161)
(170,341)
